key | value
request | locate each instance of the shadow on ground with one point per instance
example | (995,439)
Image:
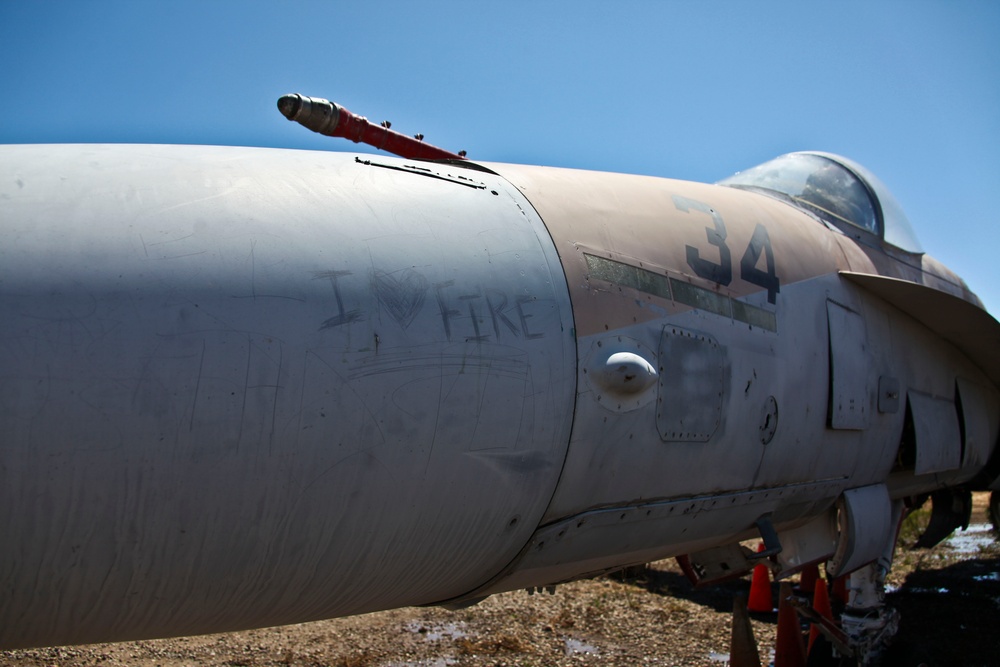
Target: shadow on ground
(672,583)
(950,616)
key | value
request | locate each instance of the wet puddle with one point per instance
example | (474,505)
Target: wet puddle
(437,632)
(574,646)
(974,540)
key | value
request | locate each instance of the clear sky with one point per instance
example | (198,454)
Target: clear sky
(693,90)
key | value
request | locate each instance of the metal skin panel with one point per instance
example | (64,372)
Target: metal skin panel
(866,527)
(623,460)
(979,432)
(692,385)
(606,539)
(967,326)
(245,387)
(813,542)
(650,223)
(939,440)
(849,364)
(618,465)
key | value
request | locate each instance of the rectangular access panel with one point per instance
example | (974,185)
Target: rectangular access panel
(692,385)
(939,440)
(849,394)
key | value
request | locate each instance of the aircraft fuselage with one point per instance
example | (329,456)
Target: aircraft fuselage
(248,387)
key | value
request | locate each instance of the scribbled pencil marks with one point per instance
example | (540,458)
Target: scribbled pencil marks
(466,312)
(343,316)
(402,293)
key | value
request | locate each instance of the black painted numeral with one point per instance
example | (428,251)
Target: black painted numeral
(749,272)
(722,272)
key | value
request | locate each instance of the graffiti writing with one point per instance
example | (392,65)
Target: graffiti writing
(468,314)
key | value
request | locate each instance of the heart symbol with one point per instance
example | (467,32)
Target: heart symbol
(401,292)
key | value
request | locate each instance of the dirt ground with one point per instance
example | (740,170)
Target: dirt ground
(949,598)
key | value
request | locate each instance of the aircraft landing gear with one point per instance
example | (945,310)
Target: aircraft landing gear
(867,625)
(867,622)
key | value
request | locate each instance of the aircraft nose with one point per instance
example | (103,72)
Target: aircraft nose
(245,388)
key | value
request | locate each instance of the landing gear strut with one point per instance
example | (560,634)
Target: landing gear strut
(867,622)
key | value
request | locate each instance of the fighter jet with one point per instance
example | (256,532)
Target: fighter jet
(245,387)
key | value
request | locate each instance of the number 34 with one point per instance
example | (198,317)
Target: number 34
(722,273)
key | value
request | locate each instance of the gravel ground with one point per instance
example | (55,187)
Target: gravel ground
(949,598)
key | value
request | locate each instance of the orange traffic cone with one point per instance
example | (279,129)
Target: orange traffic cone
(821,604)
(760,589)
(807,580)
(742,645)
(789,649)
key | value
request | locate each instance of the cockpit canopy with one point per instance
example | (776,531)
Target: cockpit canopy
(838,191)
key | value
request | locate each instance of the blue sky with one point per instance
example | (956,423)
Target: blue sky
(694,90)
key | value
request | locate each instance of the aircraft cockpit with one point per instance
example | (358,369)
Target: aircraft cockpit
(836,190)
